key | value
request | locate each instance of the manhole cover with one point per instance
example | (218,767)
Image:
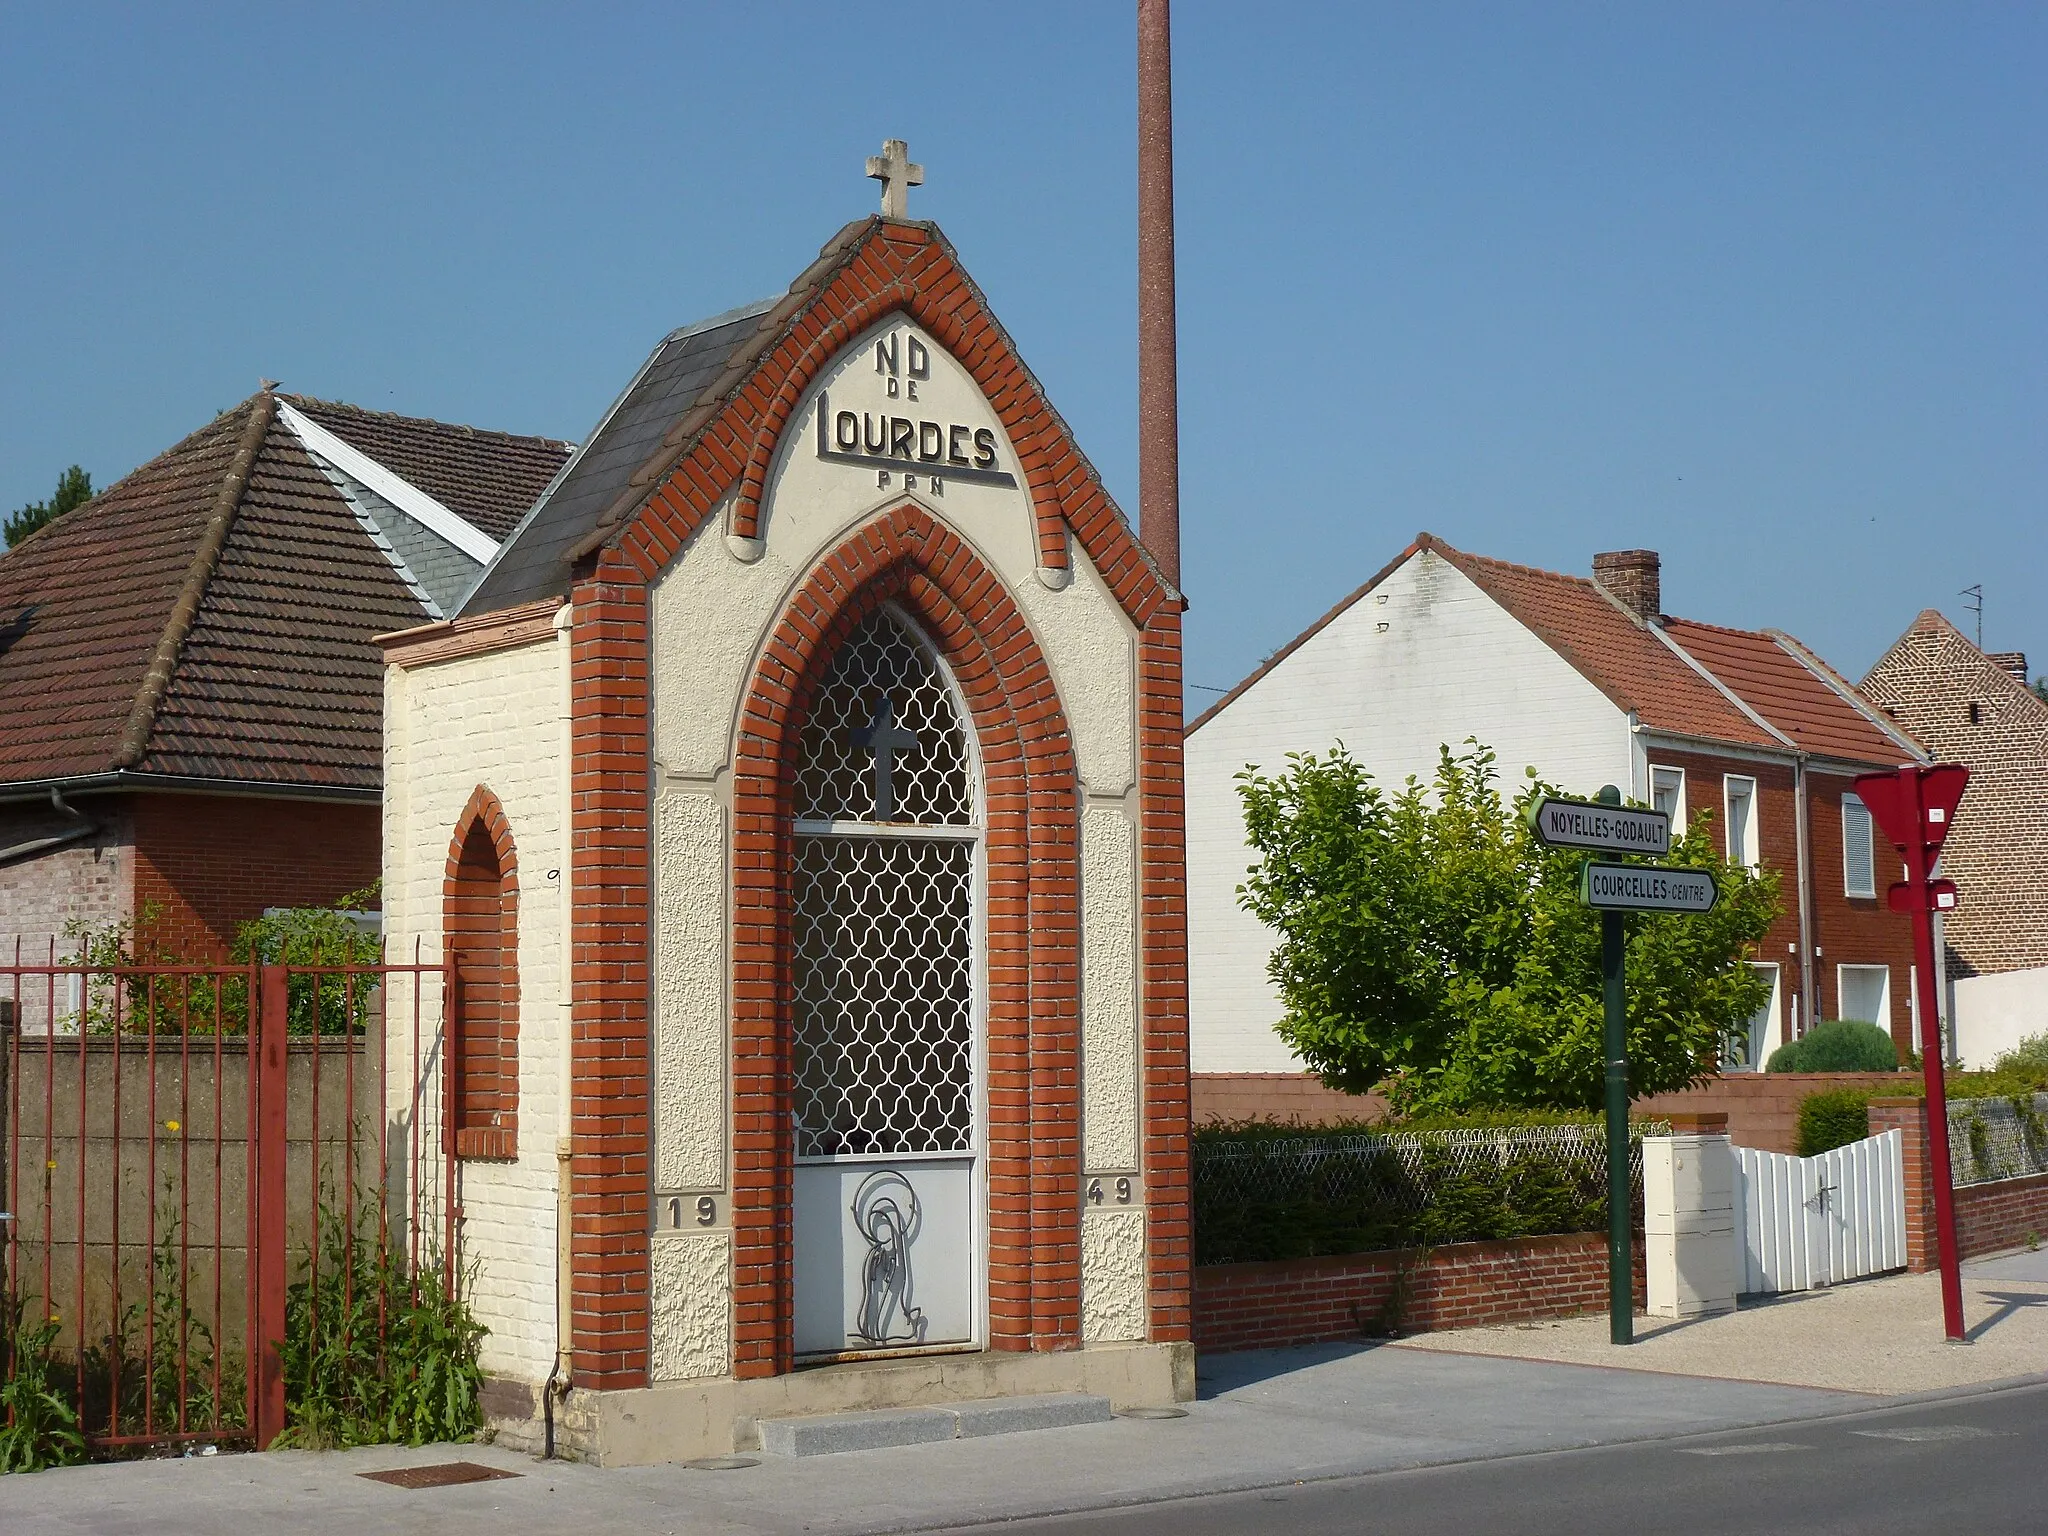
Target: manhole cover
(1151,1413)
(443,1475)
(721,1463)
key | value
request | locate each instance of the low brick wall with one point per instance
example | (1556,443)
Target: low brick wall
(1990,1218)
(1762,1107)
(1349,1296)
(2009,1213)
(1292,1098)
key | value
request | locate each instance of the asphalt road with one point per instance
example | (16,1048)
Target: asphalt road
(1971,1464)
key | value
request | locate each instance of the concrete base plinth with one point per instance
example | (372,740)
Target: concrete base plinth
(683,1420)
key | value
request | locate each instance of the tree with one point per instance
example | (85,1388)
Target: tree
(2040,687)
(74,489)
(1431,948)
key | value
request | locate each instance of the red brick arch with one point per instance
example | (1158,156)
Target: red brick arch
(1031,792)
(480,927)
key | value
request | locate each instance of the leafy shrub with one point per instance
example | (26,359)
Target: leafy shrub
(2028,1059)
(1428,946)
(205,1005)
(1837,1045)
(374,1354)
(1833,1119)
(38,1422)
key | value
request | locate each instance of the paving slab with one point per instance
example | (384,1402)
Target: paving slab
(1881,1336)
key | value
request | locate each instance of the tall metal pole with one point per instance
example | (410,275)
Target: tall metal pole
(1614,1049)
(1941,1175)
(1158,351)
(1620,1270)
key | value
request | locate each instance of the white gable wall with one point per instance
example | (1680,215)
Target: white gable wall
(1424,659)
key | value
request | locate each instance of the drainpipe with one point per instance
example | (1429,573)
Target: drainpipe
(1805,839)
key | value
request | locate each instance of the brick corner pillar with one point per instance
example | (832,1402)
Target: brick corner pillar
(608,976)
(1909,1115)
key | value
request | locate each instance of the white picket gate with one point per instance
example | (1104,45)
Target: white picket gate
(1812,1221)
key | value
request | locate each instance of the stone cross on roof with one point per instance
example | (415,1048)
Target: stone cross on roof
(885,738)
(892,168)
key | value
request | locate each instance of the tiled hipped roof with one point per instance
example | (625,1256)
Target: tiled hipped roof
(210,615)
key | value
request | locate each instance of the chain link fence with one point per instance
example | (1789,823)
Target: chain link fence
(1992,1139)
(1264,1196)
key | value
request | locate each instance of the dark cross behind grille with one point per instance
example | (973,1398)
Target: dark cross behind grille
(885,738)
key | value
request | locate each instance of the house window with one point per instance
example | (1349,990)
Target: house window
(1859,854)
(1667,794)
(1740,797)
(1750,1047)
(480,927)
(1865,992)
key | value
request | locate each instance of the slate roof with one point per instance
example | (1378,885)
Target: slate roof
(1747,688)
(534,564)
(210,615)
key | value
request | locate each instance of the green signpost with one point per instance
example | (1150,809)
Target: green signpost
(1605,825)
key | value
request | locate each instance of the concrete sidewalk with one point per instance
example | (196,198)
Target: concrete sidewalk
(1263,1418)
(1877,1336)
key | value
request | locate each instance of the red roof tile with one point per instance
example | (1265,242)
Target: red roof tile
(1773,679)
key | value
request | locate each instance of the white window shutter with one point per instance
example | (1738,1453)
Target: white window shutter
(1859,862)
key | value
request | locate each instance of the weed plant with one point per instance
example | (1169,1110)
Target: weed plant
(38,1420)
(376,1353)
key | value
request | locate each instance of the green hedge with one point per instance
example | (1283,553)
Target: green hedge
(1833,1119)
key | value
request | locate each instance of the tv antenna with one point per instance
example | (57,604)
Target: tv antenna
(1976,606)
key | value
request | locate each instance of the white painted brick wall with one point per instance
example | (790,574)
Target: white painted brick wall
(495,720)
(1426,658)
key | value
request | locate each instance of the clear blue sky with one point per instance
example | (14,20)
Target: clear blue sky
(1760,286)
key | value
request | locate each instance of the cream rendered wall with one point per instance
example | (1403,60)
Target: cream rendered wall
(498,720)
(713,609)
(1424,659)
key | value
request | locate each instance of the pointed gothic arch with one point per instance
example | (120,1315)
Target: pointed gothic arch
(480,929)
(1031,794)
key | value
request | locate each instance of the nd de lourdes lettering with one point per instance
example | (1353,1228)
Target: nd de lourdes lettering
(908,445)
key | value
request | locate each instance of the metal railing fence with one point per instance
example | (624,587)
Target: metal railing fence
(174,1138)
(1991,1139)
(1263,1196)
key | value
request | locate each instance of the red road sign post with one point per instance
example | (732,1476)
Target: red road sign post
(1915,807)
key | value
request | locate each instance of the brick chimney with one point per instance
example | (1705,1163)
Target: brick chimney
(1633,577)
(2014,662)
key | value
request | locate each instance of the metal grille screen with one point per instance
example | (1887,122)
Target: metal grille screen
(880,661)
(884,1027)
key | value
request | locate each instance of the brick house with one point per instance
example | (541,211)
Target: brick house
(798,792)
(193,701)
(1591,683)
(1975,708)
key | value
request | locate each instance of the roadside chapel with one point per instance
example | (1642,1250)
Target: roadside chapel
(799,789)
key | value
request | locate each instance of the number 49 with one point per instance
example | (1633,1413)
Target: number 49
(1123,1191)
